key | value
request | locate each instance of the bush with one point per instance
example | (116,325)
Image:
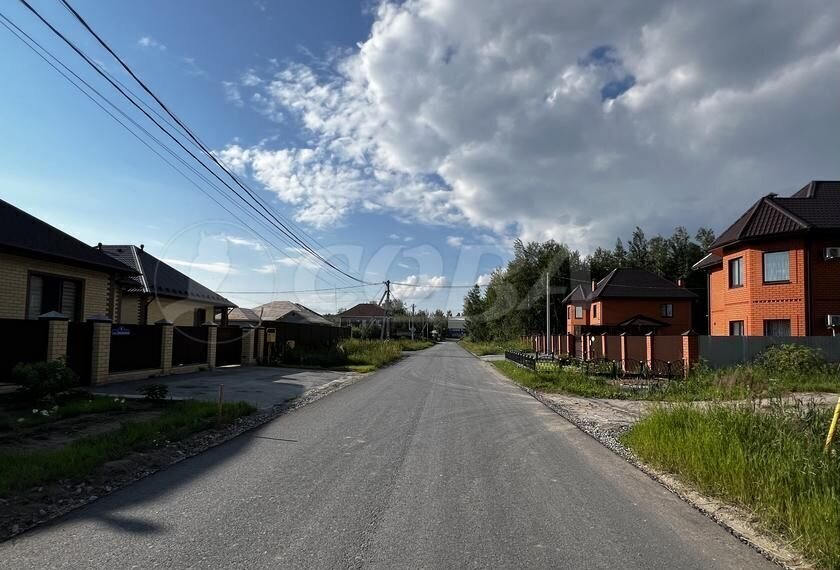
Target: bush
(154,392)
(791,359)
(44,379)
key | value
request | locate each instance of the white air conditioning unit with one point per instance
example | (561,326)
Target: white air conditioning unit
(832,321)
(832,253)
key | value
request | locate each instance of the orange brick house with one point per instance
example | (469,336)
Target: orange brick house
(632,301)
(776,270)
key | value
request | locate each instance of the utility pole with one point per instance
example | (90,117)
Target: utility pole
(411,322)
(547,310)
(385,322)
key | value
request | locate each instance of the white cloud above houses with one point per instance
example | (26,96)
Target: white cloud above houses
(416,287)
(572,120)
(150,43)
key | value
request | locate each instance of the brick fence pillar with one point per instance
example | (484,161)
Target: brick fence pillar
(649,346)
(56,334)
(100,357)
(260,344)
(622,344)
(248,334)
(166,339)
(603,345)
(212,335)
(690,350)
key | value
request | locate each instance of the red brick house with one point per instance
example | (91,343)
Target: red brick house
(632,301)
(776,270)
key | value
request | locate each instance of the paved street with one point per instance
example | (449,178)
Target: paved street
(432,463)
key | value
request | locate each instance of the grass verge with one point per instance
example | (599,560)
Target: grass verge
(565,380)
(19,414)
(493,346)
(356,355)
(770,461)
(20,471)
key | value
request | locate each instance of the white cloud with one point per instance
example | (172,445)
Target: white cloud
(193,69)
(455,241)
(418,286)
(483,280)
(254,244)
(232,93)
(150,42)
(220,267)
(571,120)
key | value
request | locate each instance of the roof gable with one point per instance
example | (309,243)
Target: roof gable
(638,283)
(24,233)
(814,207)
(159,278)
(363,310)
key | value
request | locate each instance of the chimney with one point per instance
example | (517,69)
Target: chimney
(141,247)
(681,282)
(99,246)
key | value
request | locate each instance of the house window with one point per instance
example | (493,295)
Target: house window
(736,272)
(667,309)
(200,317)
(777,327)
(776,267)
(594,311)
(578,311)
(736,328)
(49,293)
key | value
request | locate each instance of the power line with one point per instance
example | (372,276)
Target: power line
(277,223)
(324,290)
(199,143)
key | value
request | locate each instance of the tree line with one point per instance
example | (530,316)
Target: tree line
(514,301)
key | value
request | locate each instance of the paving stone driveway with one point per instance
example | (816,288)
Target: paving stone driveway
(262,386)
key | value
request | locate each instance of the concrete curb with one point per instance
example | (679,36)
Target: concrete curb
(684,492)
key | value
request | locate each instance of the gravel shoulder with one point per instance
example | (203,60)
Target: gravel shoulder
(606,419)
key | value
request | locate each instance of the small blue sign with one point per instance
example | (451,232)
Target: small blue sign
(120,331)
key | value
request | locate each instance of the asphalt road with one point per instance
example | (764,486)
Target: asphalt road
(435,462)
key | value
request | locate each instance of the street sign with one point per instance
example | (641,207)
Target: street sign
(120,331)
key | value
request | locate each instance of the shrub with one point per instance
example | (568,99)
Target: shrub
(44,379)
(791,359)
(154,392)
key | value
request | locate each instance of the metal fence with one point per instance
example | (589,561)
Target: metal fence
(625,372)
(23,342)
(80,349)
(724,351)
(229,345)
(189,346)
(134,347)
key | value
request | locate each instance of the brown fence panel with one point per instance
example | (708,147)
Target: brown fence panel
(668,348)
(22,342)
(189,346)
(79,349)
(636,348)
(134,347)
(229,346)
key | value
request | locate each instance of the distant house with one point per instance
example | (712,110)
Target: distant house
(43,269)
(632,301)
(776,270)
(278,312)
(362,313)
(457,327)
(158,291)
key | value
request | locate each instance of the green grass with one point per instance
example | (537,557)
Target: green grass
(20,471)
(770,461)
(356,354)
(567,380)
(484,348)
(69,406)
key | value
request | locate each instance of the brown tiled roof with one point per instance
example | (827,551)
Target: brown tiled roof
(638,283)
(23,233)
(579,293)
(814,207)
(289,312)
(363,311)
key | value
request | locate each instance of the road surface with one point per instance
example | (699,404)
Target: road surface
(435,462)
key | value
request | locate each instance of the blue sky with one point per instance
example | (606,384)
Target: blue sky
(67,162)
(416,139)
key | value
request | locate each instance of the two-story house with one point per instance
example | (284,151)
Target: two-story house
(632,301)
(776,270)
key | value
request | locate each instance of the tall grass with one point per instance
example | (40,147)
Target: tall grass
(770,461)
(78,459)
(356,354)
(483,348)
(568,379)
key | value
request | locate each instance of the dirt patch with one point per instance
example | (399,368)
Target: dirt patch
(59,433)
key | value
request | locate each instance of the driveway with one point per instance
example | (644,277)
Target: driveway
(262,386)
(435,462)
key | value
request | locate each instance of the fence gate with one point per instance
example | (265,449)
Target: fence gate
(79,349)
(189,346)
(229,346)
(23,342)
